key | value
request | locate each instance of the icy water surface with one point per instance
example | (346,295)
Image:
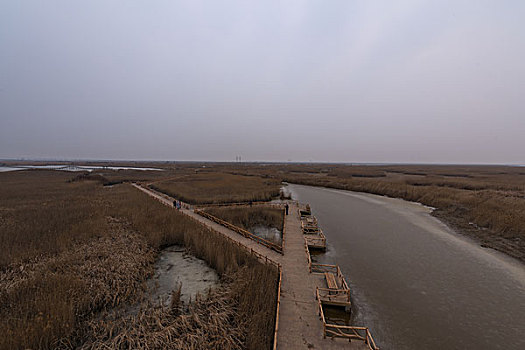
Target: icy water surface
(416,283)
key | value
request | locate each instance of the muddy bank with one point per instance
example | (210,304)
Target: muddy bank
(486,238)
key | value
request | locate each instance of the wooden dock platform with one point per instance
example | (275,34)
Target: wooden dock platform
(317,241)
(313,235)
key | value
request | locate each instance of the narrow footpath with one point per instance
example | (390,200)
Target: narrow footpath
(299,323)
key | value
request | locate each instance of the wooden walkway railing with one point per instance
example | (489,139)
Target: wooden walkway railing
(245,233)
(166,200)
(239,204)
(313,233)
(316,241)
(265,259)
(348,332)
(278,308)
(330,329)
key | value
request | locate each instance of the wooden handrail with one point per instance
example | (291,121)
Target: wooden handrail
(370,341)
(238,204)
(308,256)
(336,330)
(284,233)
(260,257)
(242,231)
(277,309)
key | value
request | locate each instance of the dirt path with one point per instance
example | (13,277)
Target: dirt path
(299,324)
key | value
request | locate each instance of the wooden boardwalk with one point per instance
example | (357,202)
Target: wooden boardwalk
(299,323)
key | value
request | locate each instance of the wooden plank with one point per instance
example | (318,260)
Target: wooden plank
(330,280)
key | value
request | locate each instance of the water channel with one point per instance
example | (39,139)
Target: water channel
(416,283)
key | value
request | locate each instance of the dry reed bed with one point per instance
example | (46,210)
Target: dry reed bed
(41,213)
(50,299)
(45,301)
(219,320)
(211,188)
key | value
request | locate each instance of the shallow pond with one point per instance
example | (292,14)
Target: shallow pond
(268,233)
(175,267)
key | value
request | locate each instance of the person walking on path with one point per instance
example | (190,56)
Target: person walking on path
(286,208)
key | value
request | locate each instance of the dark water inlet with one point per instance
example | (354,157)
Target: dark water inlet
(414,282)
(268,233)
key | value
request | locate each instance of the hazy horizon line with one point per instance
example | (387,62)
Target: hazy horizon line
(249,162)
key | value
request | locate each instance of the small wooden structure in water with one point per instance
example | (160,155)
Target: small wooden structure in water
(316,241)
(336,292)
(306,212)
(310,228)
(309,225)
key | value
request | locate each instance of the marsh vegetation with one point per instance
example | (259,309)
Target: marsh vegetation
(248,217)
(76,251)
(258,220)
(211,188)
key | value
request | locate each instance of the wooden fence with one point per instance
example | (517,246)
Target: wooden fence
(335,269)
(245,233)
(266,260)
(316,241)
(260,257)
(349,332)
(277,309)
(239,204)
(336,297)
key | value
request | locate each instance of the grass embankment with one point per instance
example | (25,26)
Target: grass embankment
(73,250)
(213,188)
(248,217)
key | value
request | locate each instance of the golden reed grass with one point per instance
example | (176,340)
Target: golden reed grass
(209,188)
(91,249)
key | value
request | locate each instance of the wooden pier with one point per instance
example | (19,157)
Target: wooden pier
(303,288)
(314,236)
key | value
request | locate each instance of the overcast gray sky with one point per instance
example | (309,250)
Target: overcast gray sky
(353,81)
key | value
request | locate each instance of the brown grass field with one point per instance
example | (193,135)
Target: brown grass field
(211,188)
(76,250)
